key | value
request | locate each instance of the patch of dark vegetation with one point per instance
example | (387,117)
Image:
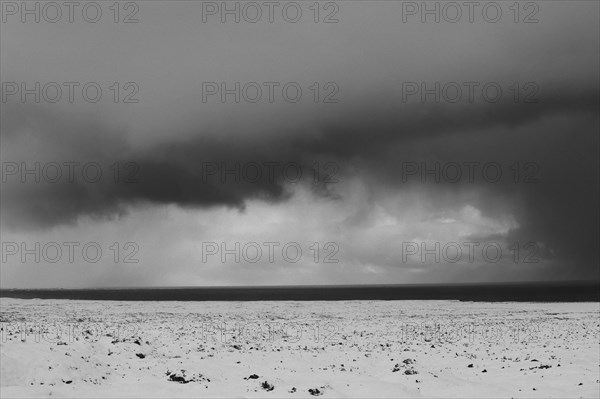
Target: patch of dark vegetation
(267,387)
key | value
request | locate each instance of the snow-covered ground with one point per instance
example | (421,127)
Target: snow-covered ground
(299,349)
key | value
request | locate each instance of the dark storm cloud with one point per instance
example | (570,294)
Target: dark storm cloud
(559,134)
(374,126)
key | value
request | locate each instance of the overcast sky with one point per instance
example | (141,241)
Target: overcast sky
(372,136)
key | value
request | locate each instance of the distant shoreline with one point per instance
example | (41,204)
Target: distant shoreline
(497,292)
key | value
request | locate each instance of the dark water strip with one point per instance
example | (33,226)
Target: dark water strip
(519,292)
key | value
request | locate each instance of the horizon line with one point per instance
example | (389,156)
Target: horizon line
(500,283)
